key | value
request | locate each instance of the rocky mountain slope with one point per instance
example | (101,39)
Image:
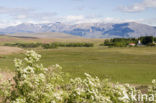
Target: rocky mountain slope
(88,30)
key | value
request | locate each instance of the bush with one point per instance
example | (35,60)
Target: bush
(74,44)
(33,83)
(49,46)
(24,45)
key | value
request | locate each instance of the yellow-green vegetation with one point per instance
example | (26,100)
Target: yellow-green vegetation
(136,65)
(49,45)
(9,39)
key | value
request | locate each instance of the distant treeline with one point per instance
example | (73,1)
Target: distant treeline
(49,45)
(119,42)
(124,42)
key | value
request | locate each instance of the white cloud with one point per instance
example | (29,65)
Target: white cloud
(151,21)
(139,6)
(5,10)
(82,19)
(21,16)
(74,18)
(71,19)
(14,16)
(5,23)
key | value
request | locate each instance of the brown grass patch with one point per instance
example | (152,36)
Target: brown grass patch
(4,50)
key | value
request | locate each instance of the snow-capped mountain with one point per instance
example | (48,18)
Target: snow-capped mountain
(88,30)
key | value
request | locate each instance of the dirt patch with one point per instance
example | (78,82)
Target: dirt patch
(4,50)
(6,76)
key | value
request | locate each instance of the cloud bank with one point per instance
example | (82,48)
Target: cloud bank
(137,7)
(15,16)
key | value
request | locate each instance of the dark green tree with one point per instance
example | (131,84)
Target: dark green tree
(146,40)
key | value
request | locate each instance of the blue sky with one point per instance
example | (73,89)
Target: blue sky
(14,12)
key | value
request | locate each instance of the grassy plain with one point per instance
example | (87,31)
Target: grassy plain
(135,65)
(125,65)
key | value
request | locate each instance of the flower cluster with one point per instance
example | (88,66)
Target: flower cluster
(87,91)
(152,89)
(32,57)
(32,82)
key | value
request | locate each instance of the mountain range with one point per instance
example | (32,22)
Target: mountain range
(87,30)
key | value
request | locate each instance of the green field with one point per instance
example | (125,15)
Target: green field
(125,65)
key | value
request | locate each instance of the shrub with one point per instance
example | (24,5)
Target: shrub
(33,83)
(24,45)
(74,44)
(49,46)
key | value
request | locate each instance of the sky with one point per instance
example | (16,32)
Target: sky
(14,12)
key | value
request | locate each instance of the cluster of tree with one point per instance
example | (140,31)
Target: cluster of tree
(148,40)
(49,45)
(123,42)
(119,42)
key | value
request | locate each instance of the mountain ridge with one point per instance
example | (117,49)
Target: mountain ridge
(87,30)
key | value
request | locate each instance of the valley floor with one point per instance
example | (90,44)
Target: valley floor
(124,65)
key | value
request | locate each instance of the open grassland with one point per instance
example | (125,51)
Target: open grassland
(8,39)
(125,65)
